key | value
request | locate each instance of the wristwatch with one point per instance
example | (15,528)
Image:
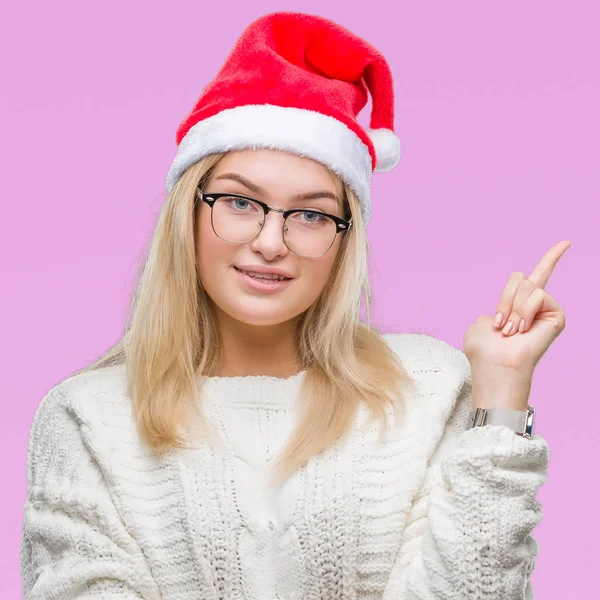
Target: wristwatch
(521,421)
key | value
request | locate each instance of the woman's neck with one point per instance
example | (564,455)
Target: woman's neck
(257,350)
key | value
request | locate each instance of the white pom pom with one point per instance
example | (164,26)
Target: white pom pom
(387,148)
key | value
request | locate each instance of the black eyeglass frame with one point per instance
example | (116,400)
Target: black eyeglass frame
(341,225)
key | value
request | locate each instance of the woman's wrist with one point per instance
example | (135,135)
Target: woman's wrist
(499,388)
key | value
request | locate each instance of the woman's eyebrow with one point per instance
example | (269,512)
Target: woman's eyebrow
(258,190)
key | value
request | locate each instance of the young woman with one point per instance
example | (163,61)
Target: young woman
(249,437)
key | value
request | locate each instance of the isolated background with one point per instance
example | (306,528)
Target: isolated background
(497,111)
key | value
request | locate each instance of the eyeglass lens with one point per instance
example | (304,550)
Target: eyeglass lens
(239,220)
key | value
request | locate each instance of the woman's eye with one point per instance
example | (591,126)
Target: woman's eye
(240,204)
(313,217)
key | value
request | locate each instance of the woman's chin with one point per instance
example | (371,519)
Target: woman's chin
(261,317)
(260,320)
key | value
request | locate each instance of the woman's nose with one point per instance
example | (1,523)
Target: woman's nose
(270,241)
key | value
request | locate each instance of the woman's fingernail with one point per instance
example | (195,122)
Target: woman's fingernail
(522,325)
(507,328)
(498,319)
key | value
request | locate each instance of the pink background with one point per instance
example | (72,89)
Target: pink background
(497,110)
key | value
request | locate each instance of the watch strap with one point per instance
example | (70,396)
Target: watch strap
(520,421)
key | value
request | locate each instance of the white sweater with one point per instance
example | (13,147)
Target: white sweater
(432,512)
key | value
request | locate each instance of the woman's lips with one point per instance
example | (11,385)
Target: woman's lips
(262,285)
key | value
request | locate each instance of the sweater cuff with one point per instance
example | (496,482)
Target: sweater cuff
(496,454)
(500,438)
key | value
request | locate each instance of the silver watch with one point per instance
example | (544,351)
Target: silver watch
(521,421)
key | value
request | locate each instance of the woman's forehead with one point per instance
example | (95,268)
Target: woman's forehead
(278,174)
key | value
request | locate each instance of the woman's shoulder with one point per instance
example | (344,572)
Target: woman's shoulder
(94,399)
(442,376)
(418,349)
(71,421)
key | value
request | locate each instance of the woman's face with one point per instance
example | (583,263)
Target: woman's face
(275,178)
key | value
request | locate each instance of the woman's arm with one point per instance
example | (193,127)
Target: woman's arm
(74,543)
(468,534)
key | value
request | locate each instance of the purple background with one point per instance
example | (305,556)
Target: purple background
(497,111)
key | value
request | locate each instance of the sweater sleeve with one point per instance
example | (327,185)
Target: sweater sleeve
(468,533)
(74,543)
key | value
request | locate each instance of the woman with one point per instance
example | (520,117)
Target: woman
(248,437)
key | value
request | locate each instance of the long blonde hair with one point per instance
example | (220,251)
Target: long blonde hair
(171,337)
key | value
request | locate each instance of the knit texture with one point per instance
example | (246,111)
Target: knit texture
(434,511)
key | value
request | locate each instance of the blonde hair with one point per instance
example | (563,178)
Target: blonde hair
(171,337)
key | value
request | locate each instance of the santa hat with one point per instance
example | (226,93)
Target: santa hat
(296,82)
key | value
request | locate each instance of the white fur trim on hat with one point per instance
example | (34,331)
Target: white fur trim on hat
(387,148)
(300,131)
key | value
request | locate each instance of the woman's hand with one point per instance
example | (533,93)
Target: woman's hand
(502,357)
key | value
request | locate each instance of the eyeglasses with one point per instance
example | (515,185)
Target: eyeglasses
(240,219)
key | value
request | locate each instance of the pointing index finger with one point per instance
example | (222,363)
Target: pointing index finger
(543,270)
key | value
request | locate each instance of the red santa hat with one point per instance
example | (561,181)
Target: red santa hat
(296,82)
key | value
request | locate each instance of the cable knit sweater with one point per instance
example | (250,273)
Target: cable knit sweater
(434,511)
